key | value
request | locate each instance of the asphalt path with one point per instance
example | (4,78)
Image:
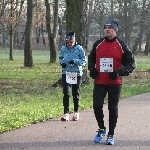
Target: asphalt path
(132,131)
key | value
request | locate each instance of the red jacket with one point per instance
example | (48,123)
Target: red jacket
(119,55)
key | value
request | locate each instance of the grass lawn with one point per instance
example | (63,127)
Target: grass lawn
(27,95)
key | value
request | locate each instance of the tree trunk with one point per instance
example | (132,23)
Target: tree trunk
(11,31)
(126,27)
(28,60)
(53,49)
(138,41)
(11,43)
(84,23)
(76,21)
(62,29)
(51,38)
(112,8)
(73,17)
(147,46)
(55,33)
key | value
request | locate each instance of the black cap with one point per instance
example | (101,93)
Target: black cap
(70,36)
(112,23)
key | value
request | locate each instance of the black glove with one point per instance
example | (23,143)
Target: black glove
(63,65)
(124,71)
(113,75)
(93,73)
(71,62)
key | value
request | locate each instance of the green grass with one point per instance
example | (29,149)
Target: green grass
(27,95)
(143,63)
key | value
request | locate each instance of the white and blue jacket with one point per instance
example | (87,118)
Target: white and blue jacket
(77,54)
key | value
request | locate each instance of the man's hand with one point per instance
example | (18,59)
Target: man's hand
(71,62)
(63,65)
(113,75)
(93,73)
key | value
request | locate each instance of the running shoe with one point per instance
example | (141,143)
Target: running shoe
(110,140)
(101,133)
(75,116)
(65,117)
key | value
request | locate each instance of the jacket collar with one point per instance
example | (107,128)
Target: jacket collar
(112,40)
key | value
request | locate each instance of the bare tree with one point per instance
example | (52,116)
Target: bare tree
(12,20)
(28,60)
(85,24)
(76,19)
(52,35)
(141,27)
(73,17)
(11,32)
(147,46)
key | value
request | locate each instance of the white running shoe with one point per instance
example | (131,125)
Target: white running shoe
(75,116)
(65,117)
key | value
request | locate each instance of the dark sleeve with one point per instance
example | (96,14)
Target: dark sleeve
(128,61)
(92,56)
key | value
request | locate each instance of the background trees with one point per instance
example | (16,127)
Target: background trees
(10,18)
(87,18)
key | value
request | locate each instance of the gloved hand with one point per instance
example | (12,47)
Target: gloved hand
(113,75)
(71,62)
(63,65)
(93,73)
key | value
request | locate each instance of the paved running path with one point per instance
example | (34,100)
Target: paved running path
(132,131)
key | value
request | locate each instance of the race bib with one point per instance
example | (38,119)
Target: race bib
(106,64)
(71,77)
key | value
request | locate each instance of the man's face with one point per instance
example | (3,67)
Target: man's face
(109,32)
(69,43)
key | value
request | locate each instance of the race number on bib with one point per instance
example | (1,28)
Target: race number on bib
(106,64)
(71,77)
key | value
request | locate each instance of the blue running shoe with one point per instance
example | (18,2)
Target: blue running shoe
(110,140)
(101,133)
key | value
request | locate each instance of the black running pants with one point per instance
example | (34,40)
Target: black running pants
(99,94)
(75,93)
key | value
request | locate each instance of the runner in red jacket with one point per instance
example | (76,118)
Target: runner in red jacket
(109,60)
